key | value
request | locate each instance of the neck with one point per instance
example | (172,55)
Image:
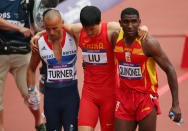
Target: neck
(129,40)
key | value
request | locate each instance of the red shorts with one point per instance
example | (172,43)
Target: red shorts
(133,105)
(96,105)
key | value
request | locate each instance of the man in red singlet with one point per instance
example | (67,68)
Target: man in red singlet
(98,93)
(137,97)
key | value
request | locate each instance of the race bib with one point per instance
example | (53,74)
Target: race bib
(130,71)
(94,57)
(58,73)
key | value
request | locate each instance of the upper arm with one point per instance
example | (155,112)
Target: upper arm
(73,29)
(114,38)
(151,47)
(113,27)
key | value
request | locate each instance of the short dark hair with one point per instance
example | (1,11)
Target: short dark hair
(90,15)
(130,11)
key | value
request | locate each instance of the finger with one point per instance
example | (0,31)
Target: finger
(140,38)
(177,117)
(145,35)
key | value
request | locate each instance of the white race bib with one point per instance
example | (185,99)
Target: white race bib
(59,73)
(130,71)
(94,57)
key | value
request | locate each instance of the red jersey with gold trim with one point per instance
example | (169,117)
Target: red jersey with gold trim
(97,53)
(136,70)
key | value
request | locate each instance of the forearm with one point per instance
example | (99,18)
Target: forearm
(173,84)
(5,25)
(30,78)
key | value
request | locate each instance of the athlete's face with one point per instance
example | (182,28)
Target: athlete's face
(130,24)
(53,28)
(93,30)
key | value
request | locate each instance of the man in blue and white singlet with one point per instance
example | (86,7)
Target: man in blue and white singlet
(61,97)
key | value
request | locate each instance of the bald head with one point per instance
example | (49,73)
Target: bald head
(52,14)
(53,24)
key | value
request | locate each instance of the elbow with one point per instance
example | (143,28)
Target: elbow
(170,70)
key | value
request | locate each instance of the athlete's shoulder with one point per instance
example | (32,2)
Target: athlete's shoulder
(150,41)
(150,45)
(113,26)
(41,40)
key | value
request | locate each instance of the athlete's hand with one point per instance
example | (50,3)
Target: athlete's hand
(142,32)
(34,43)
(25,31)
(177,113)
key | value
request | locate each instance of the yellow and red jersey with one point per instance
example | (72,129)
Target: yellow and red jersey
(136,70)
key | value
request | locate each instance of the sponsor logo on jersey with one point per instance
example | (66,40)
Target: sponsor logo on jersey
(128,56)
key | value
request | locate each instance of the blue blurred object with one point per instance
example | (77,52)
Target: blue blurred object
(172,117)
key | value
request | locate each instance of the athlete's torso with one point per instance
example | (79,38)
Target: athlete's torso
(136,70)
(64,73)
(98,55)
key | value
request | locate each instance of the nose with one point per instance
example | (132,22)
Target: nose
(51,32)
(130,25)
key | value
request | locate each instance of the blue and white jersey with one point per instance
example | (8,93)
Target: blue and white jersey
(64,73)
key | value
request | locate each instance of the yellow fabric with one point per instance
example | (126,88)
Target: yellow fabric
(151,67)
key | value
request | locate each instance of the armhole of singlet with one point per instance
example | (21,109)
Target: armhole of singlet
(80,38)
(64,37)
(46,41)
(105,28)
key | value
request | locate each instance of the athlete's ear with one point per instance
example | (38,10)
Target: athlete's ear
(139,21)
(120,22)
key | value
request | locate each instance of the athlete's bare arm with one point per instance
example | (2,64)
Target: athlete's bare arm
(74,30)
(111,28)
(34,41)
(34,61)
(151,47)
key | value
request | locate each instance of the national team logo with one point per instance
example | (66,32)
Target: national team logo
(128,56)
(117,105)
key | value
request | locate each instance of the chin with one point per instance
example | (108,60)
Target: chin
(131,34)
